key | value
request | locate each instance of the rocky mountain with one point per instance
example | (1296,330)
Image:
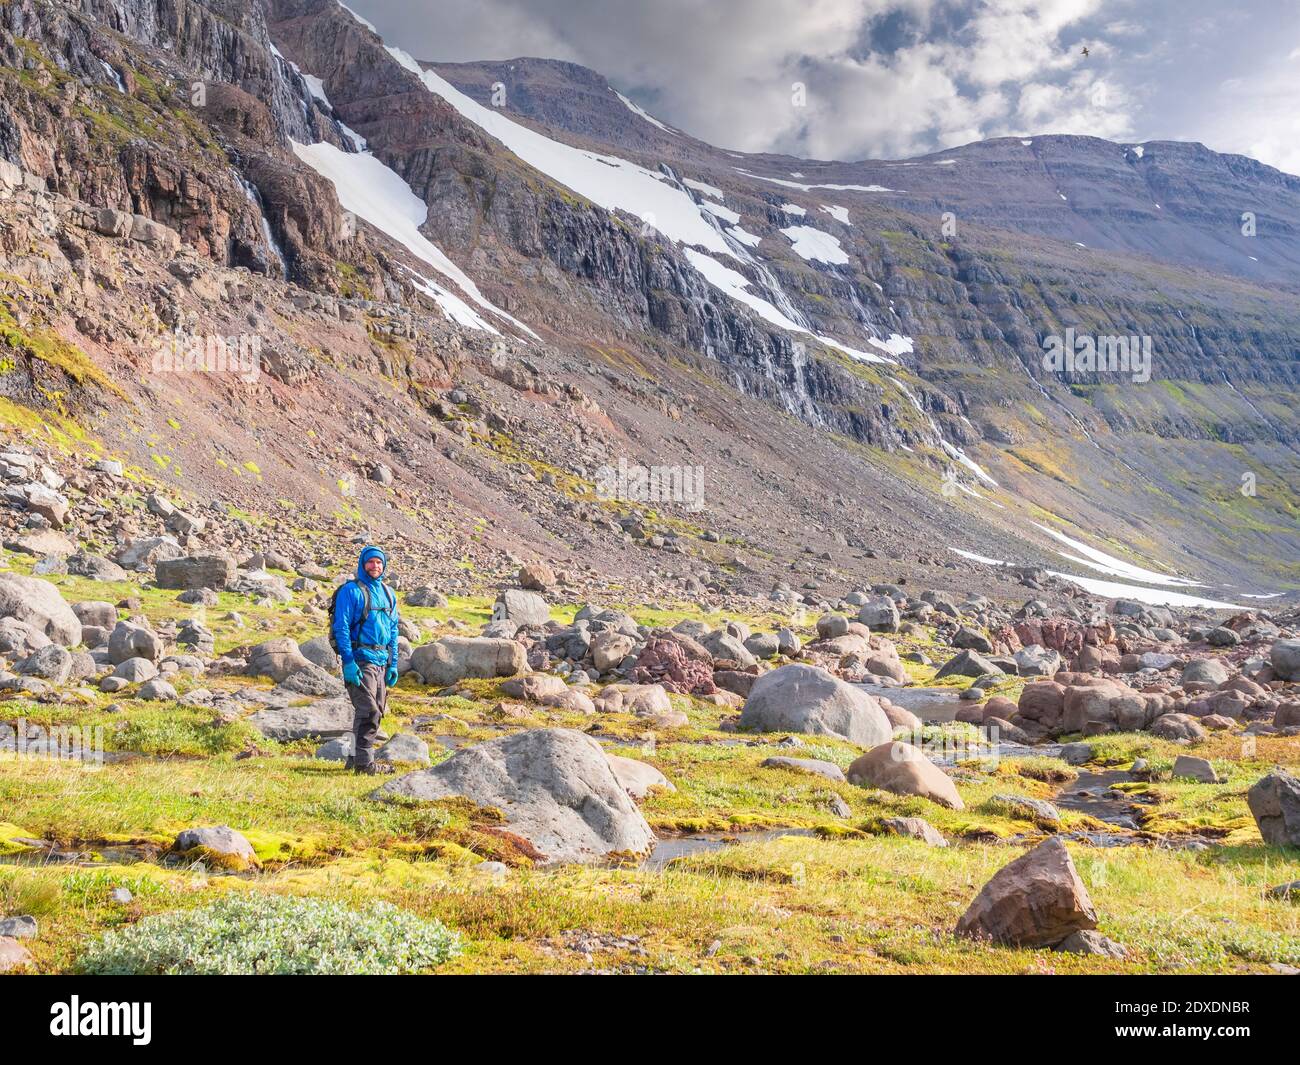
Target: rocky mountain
(860,387)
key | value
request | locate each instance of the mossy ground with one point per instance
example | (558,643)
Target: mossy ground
(838,897)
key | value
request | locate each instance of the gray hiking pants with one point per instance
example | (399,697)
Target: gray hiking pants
(369,701)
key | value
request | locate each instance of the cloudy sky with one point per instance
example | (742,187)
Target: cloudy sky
(895,78)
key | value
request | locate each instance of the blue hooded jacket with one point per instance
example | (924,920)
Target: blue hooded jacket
(376,640)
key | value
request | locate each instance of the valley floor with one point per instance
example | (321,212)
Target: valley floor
(1183,887)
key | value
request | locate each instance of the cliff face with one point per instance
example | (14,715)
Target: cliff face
(187,114)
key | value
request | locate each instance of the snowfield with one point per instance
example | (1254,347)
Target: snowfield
(374,192)
(815,246)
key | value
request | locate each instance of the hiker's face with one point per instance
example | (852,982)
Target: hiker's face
(374,566)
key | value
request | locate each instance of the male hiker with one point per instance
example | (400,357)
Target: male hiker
(363,630)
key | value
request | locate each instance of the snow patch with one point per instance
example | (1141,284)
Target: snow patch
(840,214)
(745,237)
(794,209)
(736,285)
(809,188)
(606,180)
(638,111)
(1109,564)
(815,246)
(725,213)
(707,190)
(372,191)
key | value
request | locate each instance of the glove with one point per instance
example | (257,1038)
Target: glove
(352,674)
(390,678)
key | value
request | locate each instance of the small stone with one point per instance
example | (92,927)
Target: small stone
(18,927)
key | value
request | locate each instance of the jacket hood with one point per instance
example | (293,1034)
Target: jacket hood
(366,555)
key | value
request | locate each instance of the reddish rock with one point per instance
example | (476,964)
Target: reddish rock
(669,661)
(1036,901)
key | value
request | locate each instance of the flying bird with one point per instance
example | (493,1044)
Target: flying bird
(1085,51)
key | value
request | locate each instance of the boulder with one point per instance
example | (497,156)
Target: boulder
(723,646)
(555,787)
(815,766)
(277,658)
(96,612)
(17,638)
(426,596)
(522,607)
(146,551)
(905,770)
(51,662)
(404,748)
(156,690)
(321,720)
(638,778)
(1275,803)
(1284,657)
(455,658)
(1198,769)
(1037,661)
(1037,900)
(221,846)
(915,828)
(968,664)
(879,615)
(536,576)
(609,649)
(1178,727)
(136,670)
(39,604)
(319,652)
(194,571)
(1203,674)
(831,625)
(799,698)
(95,567)
(129,640)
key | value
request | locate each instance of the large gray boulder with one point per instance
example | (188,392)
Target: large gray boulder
(144,551)
(194,571)
(17,638)
(555,787)
(319,652)
(51,662)
(129,640)
(879,615)
(968,664)
(220,845)
(1275,803)
(456,658)
(39,604)
(277,658)
(1285,659)
(799,698)
(1204,672)
(725,647)
(96,612)
(321,720)
(521,607)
